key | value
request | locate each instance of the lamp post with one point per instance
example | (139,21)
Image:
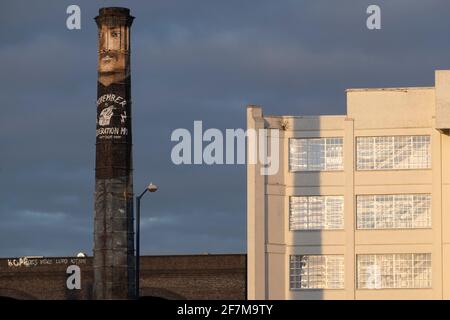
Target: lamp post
(151,188)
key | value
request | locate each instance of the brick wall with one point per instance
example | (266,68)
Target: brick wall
(170,277)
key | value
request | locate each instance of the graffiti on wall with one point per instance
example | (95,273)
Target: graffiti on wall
(34,262)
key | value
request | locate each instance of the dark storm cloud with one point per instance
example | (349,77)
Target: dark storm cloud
(202,60)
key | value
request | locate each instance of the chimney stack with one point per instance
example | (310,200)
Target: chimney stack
(114,261)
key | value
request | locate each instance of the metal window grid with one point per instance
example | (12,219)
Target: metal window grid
(393,152)
(393,211)
(316,213)
(394,271)
(316,154)
(316,272)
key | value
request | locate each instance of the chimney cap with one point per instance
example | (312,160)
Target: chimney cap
(114,11)
(114,16)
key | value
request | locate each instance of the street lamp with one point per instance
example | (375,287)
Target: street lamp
(152,188)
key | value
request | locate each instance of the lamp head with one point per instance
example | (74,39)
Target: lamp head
(152,187)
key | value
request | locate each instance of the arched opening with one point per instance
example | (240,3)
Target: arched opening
(7,299)
(13,294)
(158,294)
(151,298)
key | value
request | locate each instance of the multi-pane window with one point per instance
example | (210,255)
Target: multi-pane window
(393,211)
(316,272)
(316,154)
(386,271)
(316,213)
(393,152)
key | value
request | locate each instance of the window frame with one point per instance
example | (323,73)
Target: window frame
(340,272)
(374,168)
(324,151)
(395,262)
(324,216)
(394,214)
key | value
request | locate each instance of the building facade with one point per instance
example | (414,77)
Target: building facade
(360,206)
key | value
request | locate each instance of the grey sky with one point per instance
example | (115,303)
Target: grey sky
(191,60)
